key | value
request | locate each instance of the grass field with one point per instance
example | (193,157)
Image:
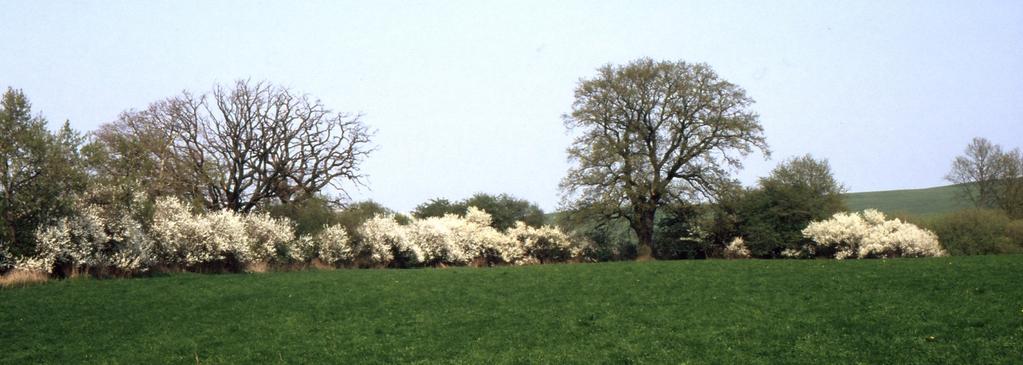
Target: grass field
(922,202)
(913,311)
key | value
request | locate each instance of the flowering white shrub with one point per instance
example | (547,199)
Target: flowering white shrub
(268,235)
(110,237)
(132,249)
(304,248)
(792,253)
(333,246)
(187,239)
(870,235)
(737,249)
(455,240)
(227,238)
(381,238)
(33,264)
(77,241)
(180,238)
(480,240)
(437,240)
(546,244)
(93,238)
(479,217)
(492,246)
(6,260)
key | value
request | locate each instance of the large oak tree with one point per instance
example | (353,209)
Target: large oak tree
(238,147)
(652,132)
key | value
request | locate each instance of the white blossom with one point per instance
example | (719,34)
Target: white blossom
(870,235)
(546,244)
(737,249)
(34,264)
(96,237)
(382,236)
(333,246)
(268,235)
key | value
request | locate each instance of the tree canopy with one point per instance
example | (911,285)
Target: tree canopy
(651,132)
(990,177)
(504,209)
(39,171)
(240,146)
(798,191)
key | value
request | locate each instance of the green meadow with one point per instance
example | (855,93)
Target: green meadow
(948,310)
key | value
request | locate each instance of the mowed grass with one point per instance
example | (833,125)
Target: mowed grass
(921,202)
(908,311)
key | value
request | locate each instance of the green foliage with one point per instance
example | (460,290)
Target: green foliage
(309,216)
(975,232)
(722,223)
(40,171)
(609,243)
(438,207)
(651,133)
(1014,231)
(355,214)
(609,239)
(955,310)
(129,156)
(771,217)
(678,234)
(505,209)
(402,219)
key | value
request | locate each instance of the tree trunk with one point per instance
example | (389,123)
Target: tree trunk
(643,224)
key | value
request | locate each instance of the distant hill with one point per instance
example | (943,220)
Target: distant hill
(929,201)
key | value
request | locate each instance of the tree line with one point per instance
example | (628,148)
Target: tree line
(656,148)
(242,147)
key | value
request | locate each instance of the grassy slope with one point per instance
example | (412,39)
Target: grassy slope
(930,201)
(870,311)
(921,202)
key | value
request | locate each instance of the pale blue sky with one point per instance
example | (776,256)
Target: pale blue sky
(467,96)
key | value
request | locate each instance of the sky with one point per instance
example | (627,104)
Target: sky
(468,96)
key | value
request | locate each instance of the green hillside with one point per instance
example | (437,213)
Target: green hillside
(923,202)
(949,310)
(929,201)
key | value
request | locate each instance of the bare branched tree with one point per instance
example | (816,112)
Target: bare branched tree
(254,143)
(989,177)
(652,133)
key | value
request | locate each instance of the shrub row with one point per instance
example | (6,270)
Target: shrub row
(98,240)
(857,235)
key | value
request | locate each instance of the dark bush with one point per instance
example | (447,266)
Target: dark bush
(973,232)
(355,214)
(438,207)
(678,235)
(772,216)
(607,239)
(609,242)
(504,209)
(309,216)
